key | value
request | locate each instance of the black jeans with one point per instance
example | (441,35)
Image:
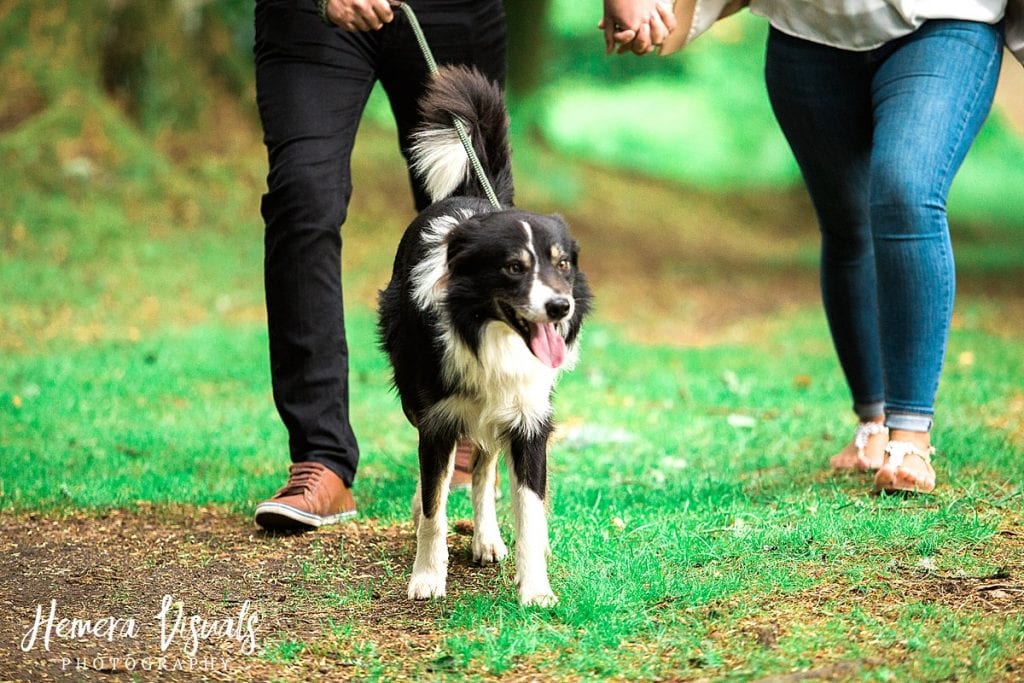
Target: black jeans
(312,83)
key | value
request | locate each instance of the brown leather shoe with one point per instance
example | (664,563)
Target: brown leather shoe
(465,458)
(314,496)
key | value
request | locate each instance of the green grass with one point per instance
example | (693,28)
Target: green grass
(189,414)
(668,524)
(690,510)
(694,530)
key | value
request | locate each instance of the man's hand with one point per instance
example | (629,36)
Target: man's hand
(636,26)
(359,15)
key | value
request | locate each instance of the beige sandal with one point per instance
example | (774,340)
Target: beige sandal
(893,477)
(865,430)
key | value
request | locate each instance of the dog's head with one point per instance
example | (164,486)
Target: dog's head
(521,269)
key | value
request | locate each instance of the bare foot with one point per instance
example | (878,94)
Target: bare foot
(866,451)
(908,465)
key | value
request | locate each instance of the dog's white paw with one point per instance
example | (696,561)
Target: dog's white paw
(426,585)
(530,599)
(535,590)
(488,550)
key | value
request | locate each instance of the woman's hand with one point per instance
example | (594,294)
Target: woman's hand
(636,26)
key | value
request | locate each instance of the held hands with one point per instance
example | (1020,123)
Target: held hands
(636,26)
(358,15)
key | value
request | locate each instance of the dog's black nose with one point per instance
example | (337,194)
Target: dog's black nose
(557,308)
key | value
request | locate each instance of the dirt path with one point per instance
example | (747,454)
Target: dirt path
(121,565)
(328,605)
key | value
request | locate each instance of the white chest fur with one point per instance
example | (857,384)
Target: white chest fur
(502,386)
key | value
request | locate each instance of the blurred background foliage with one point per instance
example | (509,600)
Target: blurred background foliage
(131,165)
(162,70)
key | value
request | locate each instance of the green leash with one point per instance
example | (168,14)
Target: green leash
(474,160)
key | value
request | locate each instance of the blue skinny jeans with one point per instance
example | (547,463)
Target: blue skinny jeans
(879,136)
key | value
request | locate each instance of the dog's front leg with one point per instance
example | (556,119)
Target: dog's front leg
(487,544)
(430,569)
(528,474)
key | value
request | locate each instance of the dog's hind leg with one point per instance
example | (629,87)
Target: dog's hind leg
(487,544)
(528,475)
(430,569)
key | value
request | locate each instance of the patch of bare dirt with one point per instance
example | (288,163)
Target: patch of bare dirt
(327,604)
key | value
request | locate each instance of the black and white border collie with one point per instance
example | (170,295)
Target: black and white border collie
(482,313)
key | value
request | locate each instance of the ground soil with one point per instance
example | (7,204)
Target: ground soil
(121,564)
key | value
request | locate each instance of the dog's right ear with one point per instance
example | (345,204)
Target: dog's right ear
(460,241)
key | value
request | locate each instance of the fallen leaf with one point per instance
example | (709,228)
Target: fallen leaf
(741,421)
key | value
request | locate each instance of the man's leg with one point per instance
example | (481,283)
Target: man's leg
(312,84)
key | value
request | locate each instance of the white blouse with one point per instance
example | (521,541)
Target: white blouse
(867,24)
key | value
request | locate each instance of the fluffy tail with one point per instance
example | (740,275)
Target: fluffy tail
(438,156)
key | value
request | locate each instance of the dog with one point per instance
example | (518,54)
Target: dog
(482,313)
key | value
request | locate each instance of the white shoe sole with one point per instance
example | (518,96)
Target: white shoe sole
(275,516)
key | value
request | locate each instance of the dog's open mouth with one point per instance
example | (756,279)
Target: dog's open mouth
(543,339)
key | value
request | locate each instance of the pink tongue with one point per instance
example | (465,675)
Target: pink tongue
(547,344)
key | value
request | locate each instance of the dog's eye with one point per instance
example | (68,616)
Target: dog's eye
(563,264)
(515,268)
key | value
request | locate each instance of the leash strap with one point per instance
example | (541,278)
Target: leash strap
(460,128)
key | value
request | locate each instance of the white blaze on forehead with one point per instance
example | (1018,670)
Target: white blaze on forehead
(540,293)
(529,243)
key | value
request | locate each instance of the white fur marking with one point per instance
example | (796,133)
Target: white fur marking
(540,292)
(531,546)
(430,569)
(529,244)
(540,295)
(439,158)
(504,385)
(487,545)
(428,275)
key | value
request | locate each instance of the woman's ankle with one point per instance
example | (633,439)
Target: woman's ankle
(920,439)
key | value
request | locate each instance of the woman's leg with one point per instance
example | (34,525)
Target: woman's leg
(822,99)
(931,93)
